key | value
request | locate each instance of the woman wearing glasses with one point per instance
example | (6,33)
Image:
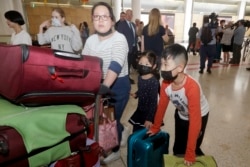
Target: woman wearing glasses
(112,48)
(59,34)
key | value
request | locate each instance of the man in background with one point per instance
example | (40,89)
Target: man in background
(128,29)
(122,18)
(192,38)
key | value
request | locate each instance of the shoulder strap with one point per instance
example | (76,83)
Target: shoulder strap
(39,150)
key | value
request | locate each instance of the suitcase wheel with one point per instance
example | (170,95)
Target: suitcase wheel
(4,148)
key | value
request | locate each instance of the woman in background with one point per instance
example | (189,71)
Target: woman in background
(154,35)
(84,29)
(15,21)
(59,34)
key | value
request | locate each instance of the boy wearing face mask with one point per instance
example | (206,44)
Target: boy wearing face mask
(147,93)
(192,109)
(59,34)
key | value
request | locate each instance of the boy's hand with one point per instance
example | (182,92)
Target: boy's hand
(133,95)
(188,163)
(150,133)
(147,124)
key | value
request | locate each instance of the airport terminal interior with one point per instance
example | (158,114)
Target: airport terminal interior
(227,88)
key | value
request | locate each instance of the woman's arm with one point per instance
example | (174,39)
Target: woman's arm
(76,41)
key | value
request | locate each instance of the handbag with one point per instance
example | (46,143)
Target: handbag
(108,135)
(201,161)
(107,128)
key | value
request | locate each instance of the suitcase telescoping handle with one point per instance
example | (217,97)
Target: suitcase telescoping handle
(67,55)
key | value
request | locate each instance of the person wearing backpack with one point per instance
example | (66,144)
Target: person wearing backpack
(208,45)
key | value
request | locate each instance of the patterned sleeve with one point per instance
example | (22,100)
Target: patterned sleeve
(119,53)
(86,49)
(153,98)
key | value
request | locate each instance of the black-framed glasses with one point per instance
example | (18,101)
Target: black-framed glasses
(98,17)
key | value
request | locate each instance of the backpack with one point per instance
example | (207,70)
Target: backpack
(206,35)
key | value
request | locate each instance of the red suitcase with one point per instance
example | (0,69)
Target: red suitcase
(32,75)
(87,156)
(13,152)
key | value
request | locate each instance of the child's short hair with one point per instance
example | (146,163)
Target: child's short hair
(177,52)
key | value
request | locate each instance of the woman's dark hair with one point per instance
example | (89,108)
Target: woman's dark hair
(111,14)
(15,17)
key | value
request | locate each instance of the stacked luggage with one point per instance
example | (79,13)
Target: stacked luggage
(41,120)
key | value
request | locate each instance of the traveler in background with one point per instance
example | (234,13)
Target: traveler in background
(192,38)
(128,29)
(147,93)
(111,46)
(219,35)
(84,31)
(239,34)
(139,35)
(154,35)
(207,51)
(59,34)
(122,18)
(15,21)
(226,42)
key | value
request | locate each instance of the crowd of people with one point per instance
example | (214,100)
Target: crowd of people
(119,43)
(226,37)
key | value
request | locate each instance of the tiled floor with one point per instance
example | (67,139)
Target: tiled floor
(227,136)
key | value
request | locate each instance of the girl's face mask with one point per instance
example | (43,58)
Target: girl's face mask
(144,70)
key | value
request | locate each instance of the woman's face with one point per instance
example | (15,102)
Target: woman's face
(101,19)
(56,16)
(10,24)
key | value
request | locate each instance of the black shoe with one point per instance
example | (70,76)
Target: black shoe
(248,69)
(131,81)
(201,71)
(209,71)
(231,62)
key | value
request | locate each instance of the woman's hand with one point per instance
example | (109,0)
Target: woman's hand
(45,24)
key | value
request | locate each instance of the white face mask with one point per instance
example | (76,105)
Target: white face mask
(55,22)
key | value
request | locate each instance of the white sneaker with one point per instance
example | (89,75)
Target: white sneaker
(112,157)
(125,135)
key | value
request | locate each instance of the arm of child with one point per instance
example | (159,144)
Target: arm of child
(152,96)
(194,108)
(161,109)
